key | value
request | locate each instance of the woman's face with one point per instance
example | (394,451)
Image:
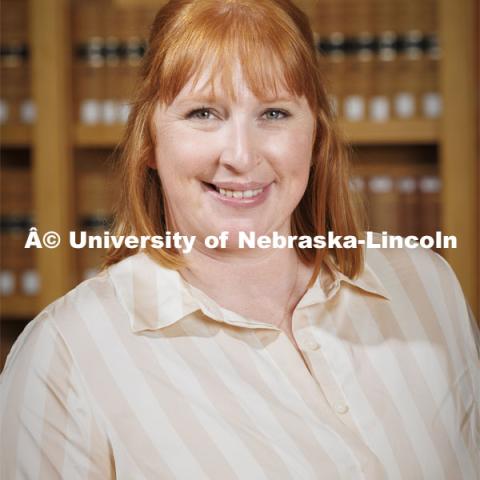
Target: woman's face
(232,166)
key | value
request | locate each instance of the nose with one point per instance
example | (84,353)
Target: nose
(239,154)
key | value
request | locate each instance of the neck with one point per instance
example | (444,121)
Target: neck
(264,282)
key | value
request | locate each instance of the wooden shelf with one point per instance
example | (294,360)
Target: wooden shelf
(18,306)
(15,136)
(97,135)
(393,132)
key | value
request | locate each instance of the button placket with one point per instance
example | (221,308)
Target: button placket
(322,369)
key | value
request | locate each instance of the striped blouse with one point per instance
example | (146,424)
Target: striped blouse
(135,374)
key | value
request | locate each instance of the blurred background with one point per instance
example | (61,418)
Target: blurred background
(402,76)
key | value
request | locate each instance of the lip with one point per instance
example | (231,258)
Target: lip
(241,187)
(239,202)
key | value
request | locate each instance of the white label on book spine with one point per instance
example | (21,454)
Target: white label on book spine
(109,112)
(430,184)
(404,105)
(7,282)
(3,111)
(379,109)
(381,184)
(354,108)
(90,112)
(431,105)
(28,112)
(406,184)
(30,282)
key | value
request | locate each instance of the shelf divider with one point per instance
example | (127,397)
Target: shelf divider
(53,153)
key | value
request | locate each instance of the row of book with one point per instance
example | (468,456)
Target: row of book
(94,187)
(98,50)
(111,20)
(404,88)
(105,18)
(18,274)
(400,204)
(378,90)
(16,106)
(16,186)
(14,29)
(384,44)
(374,16)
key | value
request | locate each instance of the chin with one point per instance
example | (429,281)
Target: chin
(234,230)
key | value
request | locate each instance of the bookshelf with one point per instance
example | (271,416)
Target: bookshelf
(57,143)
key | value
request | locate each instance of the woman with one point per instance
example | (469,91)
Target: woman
(243,363)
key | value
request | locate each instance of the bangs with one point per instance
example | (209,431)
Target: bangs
(222,35)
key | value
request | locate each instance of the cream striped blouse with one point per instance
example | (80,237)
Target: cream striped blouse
(135,374)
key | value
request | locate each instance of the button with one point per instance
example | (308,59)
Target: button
(341,408)
(310,344)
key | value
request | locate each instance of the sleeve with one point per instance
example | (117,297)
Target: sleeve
(467,383)
(47,427)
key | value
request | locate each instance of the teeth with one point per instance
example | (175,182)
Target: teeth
(238,193)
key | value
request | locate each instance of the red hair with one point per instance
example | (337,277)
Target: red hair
(274,43)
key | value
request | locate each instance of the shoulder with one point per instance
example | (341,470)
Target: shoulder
(415,272)
(69,324)
(86,299)
(425,293)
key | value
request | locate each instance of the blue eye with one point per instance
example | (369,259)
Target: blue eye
(206,113)
(200,114)
(273,114)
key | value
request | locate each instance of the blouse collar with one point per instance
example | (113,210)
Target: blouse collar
(155,297)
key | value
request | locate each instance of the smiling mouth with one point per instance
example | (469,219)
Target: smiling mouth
(239,194)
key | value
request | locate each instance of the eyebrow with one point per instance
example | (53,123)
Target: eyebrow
(281,99)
